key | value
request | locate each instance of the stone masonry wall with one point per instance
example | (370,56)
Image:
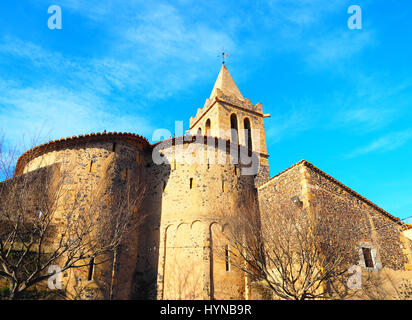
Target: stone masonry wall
(187,203)
(86,167)
(377,228)
(374,228)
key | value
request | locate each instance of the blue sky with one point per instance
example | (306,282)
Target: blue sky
(339,98)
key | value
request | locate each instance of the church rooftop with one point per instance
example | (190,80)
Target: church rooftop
(225,83)
(340,184)
(58,144)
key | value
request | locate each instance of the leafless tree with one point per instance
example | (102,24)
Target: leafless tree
(185,280)
(45,223)
(386,285)
(294,252)
(8,158)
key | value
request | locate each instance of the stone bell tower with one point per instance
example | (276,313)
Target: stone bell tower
(226,109)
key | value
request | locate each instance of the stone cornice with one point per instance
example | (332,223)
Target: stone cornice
(63,143)
(186,139)
(244,105)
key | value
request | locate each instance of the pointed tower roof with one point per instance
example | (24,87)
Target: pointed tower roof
(225,83)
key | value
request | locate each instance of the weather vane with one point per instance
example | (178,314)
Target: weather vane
(224,55)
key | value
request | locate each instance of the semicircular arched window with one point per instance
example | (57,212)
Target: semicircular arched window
(248,133)
(207,127)
(234,128)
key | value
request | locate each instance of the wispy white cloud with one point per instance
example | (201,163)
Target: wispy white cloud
(338,46)
(314,30)
(68,96)
(95,10)
(157,49)
(304,13)
(172,49)
(164,48)
(154,52)
(373,101)
(58,112)
(99,75)
(379,86)
(364,119)
(389,142)
(299,117)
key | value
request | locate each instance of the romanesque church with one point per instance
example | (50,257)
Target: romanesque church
(173,255)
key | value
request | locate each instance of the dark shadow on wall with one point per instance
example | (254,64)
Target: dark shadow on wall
(146,275)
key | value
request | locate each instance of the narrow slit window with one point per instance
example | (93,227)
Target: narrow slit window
(191,183)
(91,269)
(91,165)
(114,147)
(227,262)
